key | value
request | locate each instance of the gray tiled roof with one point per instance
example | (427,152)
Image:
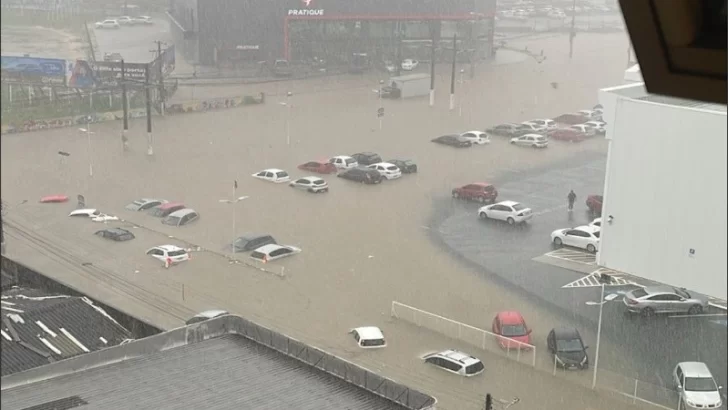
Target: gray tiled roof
(226,372)
(44,328)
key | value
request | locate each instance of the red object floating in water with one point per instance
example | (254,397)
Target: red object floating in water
(53,199)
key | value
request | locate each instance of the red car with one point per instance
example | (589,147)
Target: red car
(478,191)
(511,325)
(320,167)
(566,134)
(594,203)
(53,199)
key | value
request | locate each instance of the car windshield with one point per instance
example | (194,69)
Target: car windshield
(638,293)
(518,207)
(569,345)
(319,182)
(258,255)
(683,294)
(474,368)
(513,330)
(372,342)
(597,233)
(171,220)
(704,384)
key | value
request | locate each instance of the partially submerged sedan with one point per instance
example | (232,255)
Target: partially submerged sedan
(144,203)
(271,252)
(314,185)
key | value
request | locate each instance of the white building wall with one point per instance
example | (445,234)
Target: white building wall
(665,188)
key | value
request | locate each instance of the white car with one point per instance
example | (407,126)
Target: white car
(104,218)
(368,337)
(409,64)
(144,203)
(390,67)
(545,124)
(108,24)
(583,237)
(87,212)
(598,126)
(532,128)
(596,223)
(594,114)
(583,128)
(175,254)
(271,252)
(455,362)
(509,211)
(274,175)
(143,20)
(311,184)
(531,140)
(476,137)
(387,170)
(126,21)
(344,162)
(696,386)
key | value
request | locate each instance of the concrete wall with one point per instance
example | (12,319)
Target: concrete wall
(665,187)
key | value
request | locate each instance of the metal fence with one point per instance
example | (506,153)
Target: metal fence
(511,348)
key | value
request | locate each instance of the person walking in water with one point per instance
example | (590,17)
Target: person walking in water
(572,198)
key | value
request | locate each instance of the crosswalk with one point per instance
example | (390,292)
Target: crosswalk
(594,279)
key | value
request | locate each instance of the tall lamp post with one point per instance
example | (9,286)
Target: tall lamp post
(380,114)
(462,90)
(233,202)
(88,132)
(601,303)
(287,104)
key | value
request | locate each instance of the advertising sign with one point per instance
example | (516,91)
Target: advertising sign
(79,74)
(306,9)
(32,70)
(108,73)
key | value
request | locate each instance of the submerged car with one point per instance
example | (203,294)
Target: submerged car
(366,158)
(171,253)
(274,175)
(567,348)
(250,241)
(271,252)
(144,204)
(531,140)
(405,165)
(512,326)
(362,174)
(166,209)
(181,217)
(368,337)
(115,234)
(456,362)
(453,141)
(320,167)
(314,185)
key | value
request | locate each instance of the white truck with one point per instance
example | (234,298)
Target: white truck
(407,86)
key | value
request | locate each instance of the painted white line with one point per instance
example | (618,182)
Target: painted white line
(699,315)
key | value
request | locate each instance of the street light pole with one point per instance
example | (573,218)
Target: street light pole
(88,132)
(233,202)
(288,118)
(601,303)
(381,117)
(462,90)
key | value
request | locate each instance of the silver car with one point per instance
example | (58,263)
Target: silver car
(650,300)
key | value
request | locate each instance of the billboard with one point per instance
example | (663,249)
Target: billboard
(167,61)
(79,74)
(108,73)
(33,70)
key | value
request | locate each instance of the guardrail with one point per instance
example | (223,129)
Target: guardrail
(484,339)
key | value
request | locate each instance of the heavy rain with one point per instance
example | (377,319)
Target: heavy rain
(150,153)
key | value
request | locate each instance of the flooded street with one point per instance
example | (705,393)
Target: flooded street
(363,246)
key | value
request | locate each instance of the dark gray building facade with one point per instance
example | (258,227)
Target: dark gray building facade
(219,32)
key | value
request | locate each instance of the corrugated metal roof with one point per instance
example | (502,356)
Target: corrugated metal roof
(47,328)
(228,372)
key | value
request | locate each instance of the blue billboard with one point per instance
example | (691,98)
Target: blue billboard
(33,71)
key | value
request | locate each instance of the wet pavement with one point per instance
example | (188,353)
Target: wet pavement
(363,246)
(653,347)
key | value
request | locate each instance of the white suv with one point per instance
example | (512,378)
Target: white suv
(174,253)
(696,386)
(368,337)
(456,362)
(387,170)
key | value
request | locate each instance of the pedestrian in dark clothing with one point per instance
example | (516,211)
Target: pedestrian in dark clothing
(572,198)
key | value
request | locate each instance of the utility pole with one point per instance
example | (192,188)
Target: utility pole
(432,68)
(124,137)
(161,76)
(147,86)
(452,76)
(2,231)
(572,33)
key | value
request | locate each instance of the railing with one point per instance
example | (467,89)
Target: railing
(511,348)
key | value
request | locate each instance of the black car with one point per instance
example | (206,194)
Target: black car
(366,158)
(567,348)
(505,130)
(362,174)
(115,234)
(251,241)
(453,141)
(405,165)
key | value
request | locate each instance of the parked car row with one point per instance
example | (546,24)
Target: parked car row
(116,23)
(574,127)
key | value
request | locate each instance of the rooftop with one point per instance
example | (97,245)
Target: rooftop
(637,91)
(39,328)
(224,363)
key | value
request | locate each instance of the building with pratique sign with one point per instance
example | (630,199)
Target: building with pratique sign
(215,32)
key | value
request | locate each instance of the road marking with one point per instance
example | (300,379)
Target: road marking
(594,280)
(699,315)
(573,256)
